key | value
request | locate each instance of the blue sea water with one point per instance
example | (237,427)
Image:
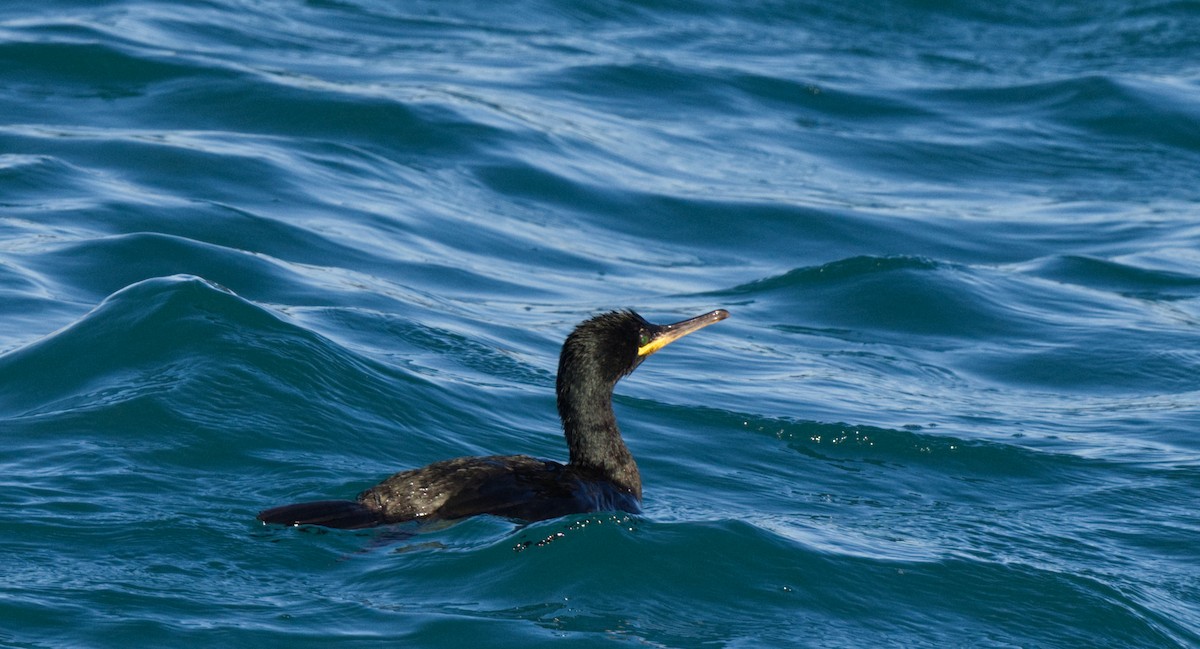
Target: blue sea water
(259,252)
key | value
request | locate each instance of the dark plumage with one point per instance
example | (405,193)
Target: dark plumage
(601,474)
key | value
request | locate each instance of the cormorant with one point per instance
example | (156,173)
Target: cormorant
(599,476)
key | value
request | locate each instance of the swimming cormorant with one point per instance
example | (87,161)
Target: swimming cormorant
(599,476)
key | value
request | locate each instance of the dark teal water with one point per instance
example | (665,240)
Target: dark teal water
(258,252)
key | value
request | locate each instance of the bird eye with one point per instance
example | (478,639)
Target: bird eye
(644,339)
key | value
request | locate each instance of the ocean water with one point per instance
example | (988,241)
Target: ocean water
(259,252)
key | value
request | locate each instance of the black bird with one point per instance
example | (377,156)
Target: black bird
(600,475)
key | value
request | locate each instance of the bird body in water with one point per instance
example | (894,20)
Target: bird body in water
(600,474)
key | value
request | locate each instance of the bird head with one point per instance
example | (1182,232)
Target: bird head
(611,345)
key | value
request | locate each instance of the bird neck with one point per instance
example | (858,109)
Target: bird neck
(593,438)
